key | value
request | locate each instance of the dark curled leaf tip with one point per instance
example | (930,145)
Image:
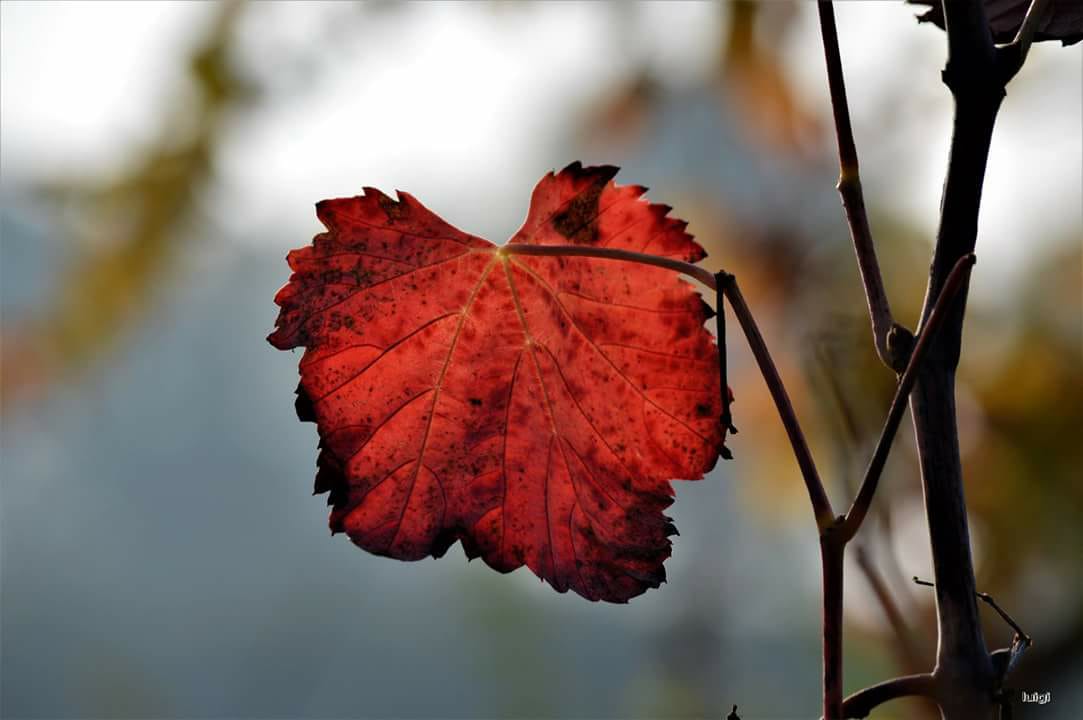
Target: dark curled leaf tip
(1063,19)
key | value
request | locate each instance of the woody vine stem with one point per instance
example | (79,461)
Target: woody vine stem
(835,532)
(966,682)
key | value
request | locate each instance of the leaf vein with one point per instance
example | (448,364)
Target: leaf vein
(358,289)
(436,395)
(384,352)
(608,360)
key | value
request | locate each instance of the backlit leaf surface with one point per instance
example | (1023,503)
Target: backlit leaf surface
(532,407)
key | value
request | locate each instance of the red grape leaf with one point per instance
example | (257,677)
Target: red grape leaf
(532,407)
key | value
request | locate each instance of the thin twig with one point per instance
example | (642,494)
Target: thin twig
(970,43)
(860,507)
(821,506)
(988,600)
(723,368)
(1004,661)
(861,703)
(853,200)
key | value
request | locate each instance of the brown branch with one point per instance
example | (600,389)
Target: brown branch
(821,506)
(860,507)
(832,556)
(861,703)
(853,200)
(963,665)
(962,656)
(970,39)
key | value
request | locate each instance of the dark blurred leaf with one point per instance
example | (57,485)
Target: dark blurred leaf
(1063,20)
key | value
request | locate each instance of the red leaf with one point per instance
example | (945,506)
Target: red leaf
(532,407)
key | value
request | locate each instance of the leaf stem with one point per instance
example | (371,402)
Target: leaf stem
(723,368)
(821,505)
(853,199)
(724,284)
(685,268)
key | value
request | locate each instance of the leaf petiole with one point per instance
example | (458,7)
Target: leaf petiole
(685,268)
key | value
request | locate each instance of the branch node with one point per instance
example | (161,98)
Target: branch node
(955,282)
(900,345)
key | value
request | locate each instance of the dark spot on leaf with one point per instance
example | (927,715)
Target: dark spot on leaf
(578,222)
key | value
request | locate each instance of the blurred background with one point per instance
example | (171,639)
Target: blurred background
(161,553)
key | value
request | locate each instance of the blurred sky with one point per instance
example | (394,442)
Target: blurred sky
(463,105)
(161,554)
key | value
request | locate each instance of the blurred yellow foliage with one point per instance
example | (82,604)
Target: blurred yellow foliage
(127,228)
